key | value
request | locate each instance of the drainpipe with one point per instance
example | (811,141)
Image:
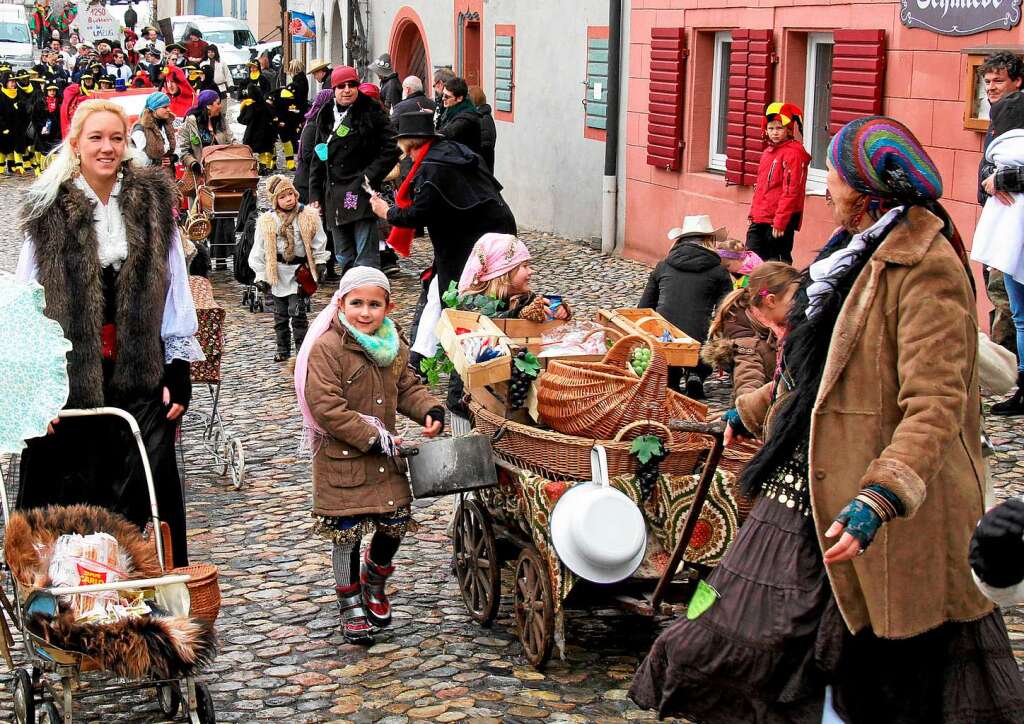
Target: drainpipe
(609,184)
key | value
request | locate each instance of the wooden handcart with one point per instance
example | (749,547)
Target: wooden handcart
(490,528)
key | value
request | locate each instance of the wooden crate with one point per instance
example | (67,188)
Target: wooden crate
(649,324)
(523,328)
(479,374)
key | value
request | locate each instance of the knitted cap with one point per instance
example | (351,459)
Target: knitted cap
(278,185)
(879,156)
(343,74)
(363,276)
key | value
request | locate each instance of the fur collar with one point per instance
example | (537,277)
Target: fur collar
(909,240)
(381,347)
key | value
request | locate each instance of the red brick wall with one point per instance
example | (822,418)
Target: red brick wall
(924,88)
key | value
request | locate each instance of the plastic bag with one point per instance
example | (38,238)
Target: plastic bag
(78,560)
(575,338)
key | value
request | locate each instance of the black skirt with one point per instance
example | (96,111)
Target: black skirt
(95,461)
(772,642)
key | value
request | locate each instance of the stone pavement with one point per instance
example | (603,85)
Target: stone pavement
(282,657)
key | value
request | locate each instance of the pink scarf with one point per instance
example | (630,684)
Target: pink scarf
(492,256)
(312,433)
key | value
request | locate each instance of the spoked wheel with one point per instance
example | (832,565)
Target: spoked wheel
(534,608)
(234,461)
(24,698)
(169,698)
(204,705)
(48,714)
(477,566)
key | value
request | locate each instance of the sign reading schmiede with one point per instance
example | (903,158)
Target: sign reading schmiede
(960,17)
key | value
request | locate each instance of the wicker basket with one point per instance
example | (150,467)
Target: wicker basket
(567,457)
(597,399)
(203,589)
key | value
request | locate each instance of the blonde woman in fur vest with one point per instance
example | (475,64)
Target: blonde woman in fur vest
(101,240)
(288,237)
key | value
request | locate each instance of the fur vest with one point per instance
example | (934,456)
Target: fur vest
(159,137)
(308,222)
(65,243)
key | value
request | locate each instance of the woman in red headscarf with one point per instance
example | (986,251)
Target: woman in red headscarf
(177,87)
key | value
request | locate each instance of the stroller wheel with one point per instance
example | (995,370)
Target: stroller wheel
(204,705)
(48,714)
(24,698)
(169,698)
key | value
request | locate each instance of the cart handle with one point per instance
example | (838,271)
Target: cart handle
(120,585)
(137,434)
(714,428)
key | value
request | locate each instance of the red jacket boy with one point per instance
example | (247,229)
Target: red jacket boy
(778,203)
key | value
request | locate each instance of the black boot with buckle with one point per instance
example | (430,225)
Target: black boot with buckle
(1014,405)
(354,623)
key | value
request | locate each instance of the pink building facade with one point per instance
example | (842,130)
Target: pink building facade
(915,75)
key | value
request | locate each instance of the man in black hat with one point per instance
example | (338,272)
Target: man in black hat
(450,191)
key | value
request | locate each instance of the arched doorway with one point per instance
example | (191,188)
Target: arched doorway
(408,47)
(337,55)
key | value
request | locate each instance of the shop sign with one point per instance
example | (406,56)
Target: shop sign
(960,17)
(302,28)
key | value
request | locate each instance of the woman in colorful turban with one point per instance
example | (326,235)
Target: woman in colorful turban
(871,434)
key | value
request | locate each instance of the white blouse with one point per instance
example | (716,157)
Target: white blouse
(180,324)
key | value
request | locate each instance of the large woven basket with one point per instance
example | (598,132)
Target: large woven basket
(597,399)
(203,589)
(567,457)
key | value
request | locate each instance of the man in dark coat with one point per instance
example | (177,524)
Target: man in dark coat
(360,147)
(131,18)
(685,287)
(452,194)
(390,86)
(413,99)
(459,121)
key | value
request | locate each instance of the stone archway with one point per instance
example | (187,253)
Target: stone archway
(337,49)
(410,54)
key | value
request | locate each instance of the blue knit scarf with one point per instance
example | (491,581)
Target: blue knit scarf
(381,346)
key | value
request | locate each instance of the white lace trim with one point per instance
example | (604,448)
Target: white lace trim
(186,348)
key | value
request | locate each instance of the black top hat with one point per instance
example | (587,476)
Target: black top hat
(417,124)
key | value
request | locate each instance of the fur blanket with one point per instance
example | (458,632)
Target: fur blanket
(156,646)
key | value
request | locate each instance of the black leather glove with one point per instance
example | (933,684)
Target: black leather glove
(178,381)
(436,414)
(263,287)
(997,547)
(196,168)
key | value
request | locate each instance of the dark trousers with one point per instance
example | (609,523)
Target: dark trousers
(677,375)
(770,248)
(357,244)
(289,320)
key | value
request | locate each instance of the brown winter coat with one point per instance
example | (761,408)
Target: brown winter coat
(745,346)
(341,382)
(899,405)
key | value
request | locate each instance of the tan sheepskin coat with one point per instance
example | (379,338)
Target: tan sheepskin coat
(899,405)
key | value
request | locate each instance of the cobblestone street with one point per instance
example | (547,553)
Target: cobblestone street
(283,658)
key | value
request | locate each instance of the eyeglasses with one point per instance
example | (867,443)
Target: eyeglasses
(348,84)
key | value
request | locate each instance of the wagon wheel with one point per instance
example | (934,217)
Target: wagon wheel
(534,608)
(48,714)
(234,461)
(24,698)
(169,698)
(477,566)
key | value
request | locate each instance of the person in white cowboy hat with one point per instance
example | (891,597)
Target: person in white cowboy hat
(685,287)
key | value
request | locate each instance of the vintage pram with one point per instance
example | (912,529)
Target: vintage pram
(223,451)
(36,698)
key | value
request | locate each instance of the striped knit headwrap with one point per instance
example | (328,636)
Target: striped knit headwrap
(880,157)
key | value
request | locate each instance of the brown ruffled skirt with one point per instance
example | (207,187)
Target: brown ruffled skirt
(766,650)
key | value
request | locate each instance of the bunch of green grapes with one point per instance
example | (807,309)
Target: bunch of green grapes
(640,360)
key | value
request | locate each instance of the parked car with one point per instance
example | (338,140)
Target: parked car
(16,45)
(233,38)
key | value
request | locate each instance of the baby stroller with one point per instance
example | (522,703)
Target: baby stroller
(245,227)
(80,674)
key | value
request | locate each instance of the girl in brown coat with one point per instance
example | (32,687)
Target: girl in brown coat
(748,325)
(352,378)
(848,586)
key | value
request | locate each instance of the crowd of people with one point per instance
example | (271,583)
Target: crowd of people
(861,586)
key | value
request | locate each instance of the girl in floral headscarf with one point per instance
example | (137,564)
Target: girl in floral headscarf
(871,431)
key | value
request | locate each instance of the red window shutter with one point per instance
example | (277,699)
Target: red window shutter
(750,91)
(665,102)
(858,72)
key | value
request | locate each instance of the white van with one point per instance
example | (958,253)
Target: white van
(233,38)
(16,45)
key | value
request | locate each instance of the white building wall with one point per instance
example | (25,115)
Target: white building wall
(551,172)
